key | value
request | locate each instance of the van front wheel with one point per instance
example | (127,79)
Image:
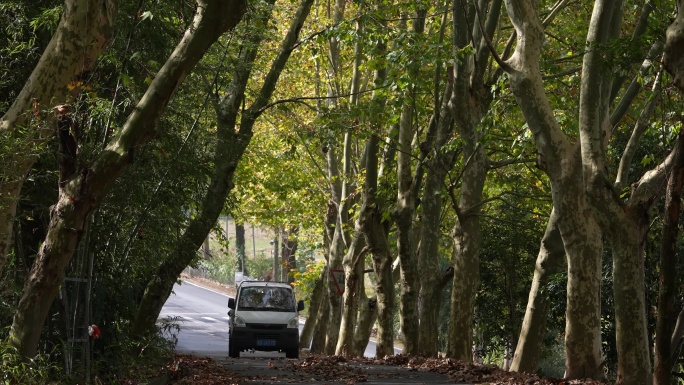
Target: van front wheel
(292,353)
(232,350)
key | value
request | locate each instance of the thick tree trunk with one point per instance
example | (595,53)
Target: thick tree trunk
(583,246)
(82,32)
(230,146)
(667,290)
(320,328)
(550,261)
(674,47)
(384,288)
(289,255)
(320,332)
(240,248)
(631,334)
(81,193)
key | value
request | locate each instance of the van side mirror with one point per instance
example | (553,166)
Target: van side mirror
(300,305)
(231,312)
(231,303)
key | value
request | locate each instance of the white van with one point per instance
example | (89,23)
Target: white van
(264,316)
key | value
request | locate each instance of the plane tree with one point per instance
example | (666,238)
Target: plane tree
(589,205)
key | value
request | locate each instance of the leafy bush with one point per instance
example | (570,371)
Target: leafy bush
(14,369)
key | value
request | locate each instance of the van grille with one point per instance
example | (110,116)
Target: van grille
(267,326)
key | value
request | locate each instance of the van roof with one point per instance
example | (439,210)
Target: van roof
(265,284)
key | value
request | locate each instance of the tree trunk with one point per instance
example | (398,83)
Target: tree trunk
(290,244)
(403,213)
(323,315)
(335,304)
(84,28)
(240,248)
(674,47)
(376,238)
(667,290)
(561,161)
(315,303)
(353,275)
(430,231)
(230,146)
(550,261)
(364,327)
(82,192)
(631,335)
(467,106)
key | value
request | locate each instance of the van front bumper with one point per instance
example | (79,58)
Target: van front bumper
(264,337)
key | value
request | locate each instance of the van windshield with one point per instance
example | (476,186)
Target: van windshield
(266,298)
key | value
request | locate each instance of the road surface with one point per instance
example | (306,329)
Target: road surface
(199,319)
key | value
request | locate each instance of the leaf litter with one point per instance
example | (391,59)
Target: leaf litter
(312,368)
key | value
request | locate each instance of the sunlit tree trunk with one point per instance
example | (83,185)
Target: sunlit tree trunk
(321,322)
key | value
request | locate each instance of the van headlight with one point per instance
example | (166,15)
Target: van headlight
(239,322)
(294,323)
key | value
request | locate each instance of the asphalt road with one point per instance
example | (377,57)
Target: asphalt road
(198,318)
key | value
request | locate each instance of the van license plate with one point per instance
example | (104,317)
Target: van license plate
(266,342)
